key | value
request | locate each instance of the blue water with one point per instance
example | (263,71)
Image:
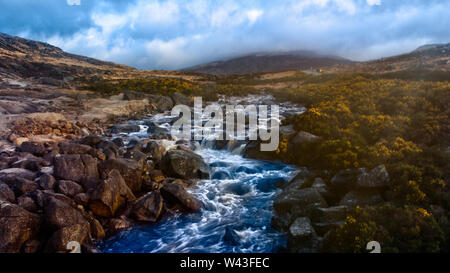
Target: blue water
(239,199)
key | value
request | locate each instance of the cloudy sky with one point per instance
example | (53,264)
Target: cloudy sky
(173,34)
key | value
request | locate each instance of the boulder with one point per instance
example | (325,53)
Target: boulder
(301,237)
(6,194)
(118,141)
(155,150)
(304,138)
(27,203)
(156,132)
(130,170)
(115,225)
(179,98)
(300,201)
(110,195)
(329,215)
(125,128)
(73,148)
(47,182)
(361,198)
(11,174)
(32,164)
(175,194)
(68,188)
(59,214)
(37,149)
(24,186)
(75,167)
(345,180)
(82,199)
(376,178)
(148,208)
(91,140)
(184,165)
(17,226)
(157,176)
(162,103)
(60,239)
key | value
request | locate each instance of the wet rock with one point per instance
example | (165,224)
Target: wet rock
(60,239)
(376,178)
(91,140)
(17,226)
(157,176)
(136,155)
(75,167)
(27,203)
(361,198)
(221,175)
(148,208)
(175,194)
(73,148)
(231,237)
(47,182)
(125,128)
(345,180)
(129,169)
(118,141)
(68,188)
(96,229)
(154,150)
(59,214)
(110,195)
(157,132)
(108,145)
(36,149)
(162,103)
(6,194)
(184,165)
(116,225)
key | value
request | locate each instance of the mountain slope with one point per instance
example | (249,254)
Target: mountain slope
(26,58)
(268,62)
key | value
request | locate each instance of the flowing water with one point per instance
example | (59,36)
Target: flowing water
(236,214)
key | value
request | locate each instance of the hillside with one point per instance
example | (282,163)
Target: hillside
(269,62)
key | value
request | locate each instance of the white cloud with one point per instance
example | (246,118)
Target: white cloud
(73,2)
(253,15)
(374,2)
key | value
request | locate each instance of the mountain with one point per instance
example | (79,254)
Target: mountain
(268,62)
(26,58)
(425,59)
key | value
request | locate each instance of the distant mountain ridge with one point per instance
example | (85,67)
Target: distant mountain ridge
(268,62)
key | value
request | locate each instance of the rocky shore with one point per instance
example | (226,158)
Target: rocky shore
(64,181)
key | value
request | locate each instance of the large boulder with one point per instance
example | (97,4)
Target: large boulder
(47,182)
(17,226)
(6,194)
(184,165)
(129,169)
(91,140)
(302,236)
(24,186)
(68,188)
(73,148)
(378,177)
(36,149)
(301,201)
(60,239)
(155,150)
(125,128)
(148,208)
(162,103)
(330,215)
(59,214)
(345,180)
(32,164)
(156,132)
(110,195)
(11,174)
(175,194)
(361,198)
(75,167)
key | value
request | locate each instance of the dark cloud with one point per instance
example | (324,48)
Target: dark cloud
(172,34)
